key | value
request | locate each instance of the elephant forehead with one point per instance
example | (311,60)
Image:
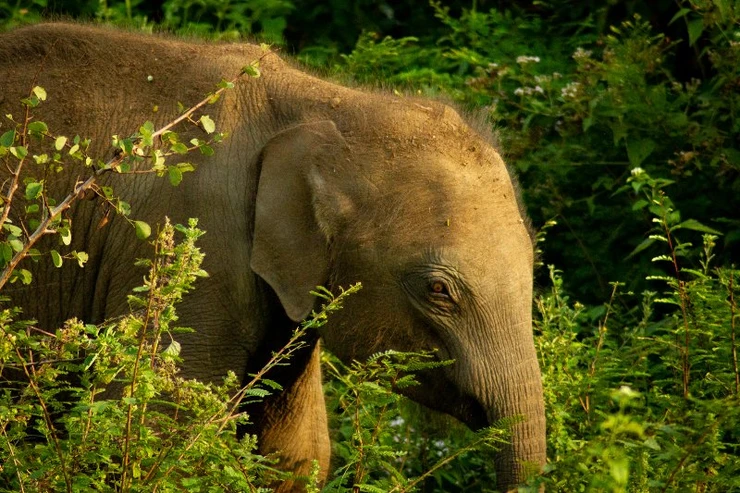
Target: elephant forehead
(446,206)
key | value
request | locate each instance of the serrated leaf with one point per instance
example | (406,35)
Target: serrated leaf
(173,349)
(143,230)
(56,259)
(40,93)
(207,123)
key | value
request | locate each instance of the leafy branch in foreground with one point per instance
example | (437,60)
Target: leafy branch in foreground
(660,384)
(377,451)
(42,214)
(99,407)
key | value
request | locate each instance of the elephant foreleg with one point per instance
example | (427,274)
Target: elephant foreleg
(293,424)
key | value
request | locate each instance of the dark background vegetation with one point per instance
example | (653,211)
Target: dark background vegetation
(562,180)
(620,118)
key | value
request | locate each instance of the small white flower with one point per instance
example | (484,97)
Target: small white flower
(636,171)
(570,90)
(557,75)
(519,91)
(397,421)
(626,390)
(493,65)
(523,59)
(581,53)
(539,90)
(149,78)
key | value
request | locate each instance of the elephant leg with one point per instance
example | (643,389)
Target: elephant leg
(293,423)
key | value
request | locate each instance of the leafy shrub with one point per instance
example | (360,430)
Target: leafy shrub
(617,115)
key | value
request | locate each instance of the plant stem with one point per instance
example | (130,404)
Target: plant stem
(733,318)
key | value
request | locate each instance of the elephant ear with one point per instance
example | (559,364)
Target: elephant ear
(292,212)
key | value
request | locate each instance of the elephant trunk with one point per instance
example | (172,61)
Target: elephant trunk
(519,396)
(526,449)
(509,386)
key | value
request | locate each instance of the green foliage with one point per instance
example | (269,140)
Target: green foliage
(382,442)
(100,407)
(617,115)
(577,104)
(645,398)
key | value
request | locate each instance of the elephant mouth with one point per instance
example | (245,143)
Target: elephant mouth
(464,408)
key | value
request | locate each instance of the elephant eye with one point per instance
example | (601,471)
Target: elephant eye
(438,288)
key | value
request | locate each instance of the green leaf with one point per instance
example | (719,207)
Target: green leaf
(252,70)
(15,244)
(123,208)
(146,132)
(207,123)
(695,225)
(38,128)
(695,27)
(679,14)
(173,349)
(7,139)
(40,93)
(642,246)
(185,167)
(6,252)
(143,230)
(60,142)
(175,175)
(13,229)
(639,150)
(19,151)
(56,259)
(81,257)
(34,189)
(23,275)
(66,235)
(179,148)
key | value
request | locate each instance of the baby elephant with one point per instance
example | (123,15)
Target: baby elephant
(316,184)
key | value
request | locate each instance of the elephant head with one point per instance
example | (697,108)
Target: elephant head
(426,217)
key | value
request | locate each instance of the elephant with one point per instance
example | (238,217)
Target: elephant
(317,184)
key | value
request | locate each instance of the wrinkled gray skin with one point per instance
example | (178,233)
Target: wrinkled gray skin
(317,184)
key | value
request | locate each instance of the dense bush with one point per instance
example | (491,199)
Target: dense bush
(621,119)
